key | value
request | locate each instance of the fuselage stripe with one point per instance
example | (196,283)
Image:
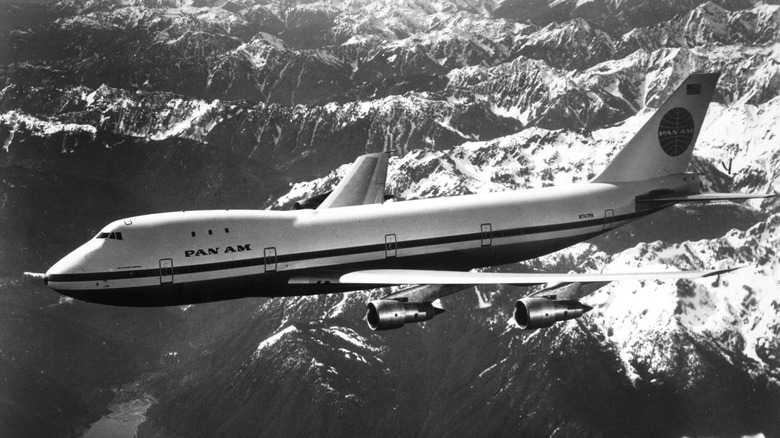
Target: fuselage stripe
(311,255)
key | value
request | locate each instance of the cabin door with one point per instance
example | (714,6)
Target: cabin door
(391,246)
(487,235)
(270,259)
(166,271)
(609,216)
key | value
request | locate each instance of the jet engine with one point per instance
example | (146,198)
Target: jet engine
(535,312)
(392,314)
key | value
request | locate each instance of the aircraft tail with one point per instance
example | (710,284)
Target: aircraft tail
(665,143)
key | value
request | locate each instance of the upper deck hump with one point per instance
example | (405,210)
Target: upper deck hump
(204,216)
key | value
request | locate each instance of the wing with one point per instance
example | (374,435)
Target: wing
(417,303)
(437,284)
(391,277)
(363,184)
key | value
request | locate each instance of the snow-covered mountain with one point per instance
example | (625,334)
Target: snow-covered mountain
(113,108)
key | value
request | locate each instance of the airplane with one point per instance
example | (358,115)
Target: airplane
(352,239)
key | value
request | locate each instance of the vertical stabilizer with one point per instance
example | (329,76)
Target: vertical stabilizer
(665,143)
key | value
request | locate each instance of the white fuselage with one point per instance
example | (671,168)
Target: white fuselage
(196,256)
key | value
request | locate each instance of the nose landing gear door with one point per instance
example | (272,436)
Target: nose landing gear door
(166,271)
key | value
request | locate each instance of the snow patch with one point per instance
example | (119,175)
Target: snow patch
(352,337)
(274,339)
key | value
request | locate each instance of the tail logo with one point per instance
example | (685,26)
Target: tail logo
(675,132)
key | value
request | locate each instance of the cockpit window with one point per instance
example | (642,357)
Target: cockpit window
(115,236)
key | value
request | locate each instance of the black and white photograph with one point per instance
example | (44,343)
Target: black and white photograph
(400,218)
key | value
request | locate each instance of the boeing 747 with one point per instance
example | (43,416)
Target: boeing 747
(351,239)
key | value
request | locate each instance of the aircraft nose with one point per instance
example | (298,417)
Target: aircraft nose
(73,263)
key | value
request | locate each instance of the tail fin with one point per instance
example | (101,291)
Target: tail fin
(665,143)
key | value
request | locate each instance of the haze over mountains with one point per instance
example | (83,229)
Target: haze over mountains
(117,108)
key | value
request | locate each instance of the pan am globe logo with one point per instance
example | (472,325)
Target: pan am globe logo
(675,132)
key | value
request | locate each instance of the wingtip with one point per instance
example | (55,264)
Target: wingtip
(727,270)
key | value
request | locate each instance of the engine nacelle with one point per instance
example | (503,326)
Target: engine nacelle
(392,314)
(533,313)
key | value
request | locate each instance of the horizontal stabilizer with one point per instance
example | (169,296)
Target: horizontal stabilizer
(389,277)
(700,197)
